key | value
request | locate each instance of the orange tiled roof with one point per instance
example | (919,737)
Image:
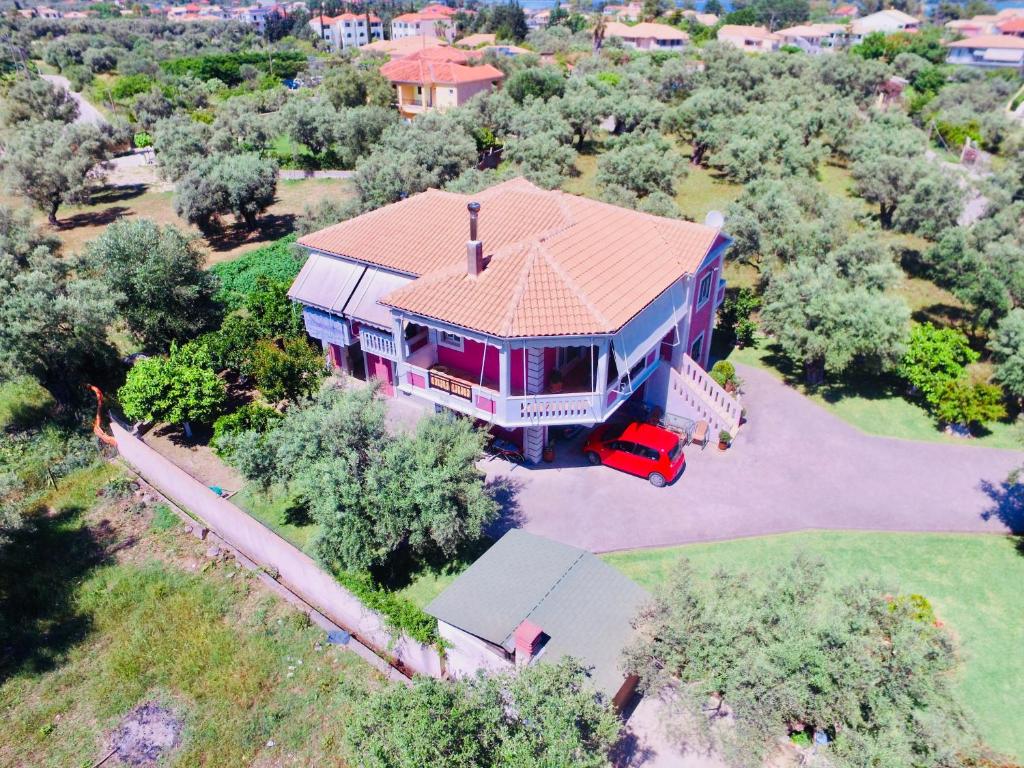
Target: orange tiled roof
(643,31)
(439,65)
(1013,26)
(403,46)
(990,41)
(557,264)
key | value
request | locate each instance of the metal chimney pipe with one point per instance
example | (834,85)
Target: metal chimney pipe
(474,209)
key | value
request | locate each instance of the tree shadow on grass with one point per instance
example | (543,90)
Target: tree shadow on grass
(1007,505)
(39,570)
(270,226)
(100,218)
(119,193)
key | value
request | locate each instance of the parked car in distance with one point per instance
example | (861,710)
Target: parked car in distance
(640,449)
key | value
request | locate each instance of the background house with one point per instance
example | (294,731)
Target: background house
(433,21)
(348,30)
(813,38)
(749,39)
(988,52)
(886,22)
(531,600)
(438,78)
(647,36)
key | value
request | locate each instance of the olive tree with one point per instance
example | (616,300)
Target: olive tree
(244,185)
(1007,347)
(32,100)
(52,163)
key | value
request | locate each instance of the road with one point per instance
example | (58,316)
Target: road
(87,113)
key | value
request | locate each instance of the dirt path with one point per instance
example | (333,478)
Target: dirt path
(87,113)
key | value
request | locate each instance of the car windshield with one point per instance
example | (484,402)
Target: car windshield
(673,454)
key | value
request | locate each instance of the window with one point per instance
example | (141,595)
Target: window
(696,349)
(705,289)
(450,340)
(647,453)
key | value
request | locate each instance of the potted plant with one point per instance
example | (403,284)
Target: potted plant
(549,451)
(724,438)
(555,381)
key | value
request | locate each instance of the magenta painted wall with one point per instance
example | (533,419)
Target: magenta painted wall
(469,360)
(699,317)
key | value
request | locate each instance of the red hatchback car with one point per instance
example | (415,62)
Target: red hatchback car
(637,448)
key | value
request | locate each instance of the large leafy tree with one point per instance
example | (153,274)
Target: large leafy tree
(542,715)
(870,670)
(163,293)
(32,99)
(374,495)
(180,388)
(1007,346)
(51,163)
(641,163)
(241,184)
(830,313)
(412,157)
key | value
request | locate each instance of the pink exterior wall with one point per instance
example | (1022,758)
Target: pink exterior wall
(700,317)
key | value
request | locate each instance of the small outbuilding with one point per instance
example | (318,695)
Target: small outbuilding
(530,600)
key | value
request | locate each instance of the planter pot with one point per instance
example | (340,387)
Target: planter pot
(730,387)
(548,455)
(722,445)
(554,388)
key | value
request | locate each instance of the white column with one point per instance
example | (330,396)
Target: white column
(533,437)
(683,327)
(399,337)
(603,352)
(505,370)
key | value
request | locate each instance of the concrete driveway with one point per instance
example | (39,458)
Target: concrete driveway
(794,466)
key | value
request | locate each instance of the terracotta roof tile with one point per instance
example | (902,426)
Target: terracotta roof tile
(556,264)
(439,65)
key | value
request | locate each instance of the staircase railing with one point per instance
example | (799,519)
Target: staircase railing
(705,394)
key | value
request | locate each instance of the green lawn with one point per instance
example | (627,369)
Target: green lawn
(22,401)
(95,635)
(874,409)
(974,584)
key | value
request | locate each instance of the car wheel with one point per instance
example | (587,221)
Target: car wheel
(657,480)
(593,458)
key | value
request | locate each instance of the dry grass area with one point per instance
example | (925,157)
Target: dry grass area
(114,607)
(80,224)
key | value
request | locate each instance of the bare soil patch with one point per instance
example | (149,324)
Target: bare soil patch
(146,734)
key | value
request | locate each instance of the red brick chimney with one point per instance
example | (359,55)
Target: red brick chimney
(529,639)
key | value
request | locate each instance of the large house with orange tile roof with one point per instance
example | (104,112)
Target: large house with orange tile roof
(523,308)
(439,78)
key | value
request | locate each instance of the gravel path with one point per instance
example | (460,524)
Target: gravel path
(87,113)
(793,467)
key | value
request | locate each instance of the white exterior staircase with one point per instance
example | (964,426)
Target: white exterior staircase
(691,393)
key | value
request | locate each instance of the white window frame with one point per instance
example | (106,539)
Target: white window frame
(451,341)
(699,343)
(703,299)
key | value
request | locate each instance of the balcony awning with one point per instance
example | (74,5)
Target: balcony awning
(363,304)
(636,338)
(326,282)
(1003,55)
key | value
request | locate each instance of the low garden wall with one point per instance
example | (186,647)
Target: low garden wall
(293,568)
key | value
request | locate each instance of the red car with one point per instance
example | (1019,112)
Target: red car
(638,448)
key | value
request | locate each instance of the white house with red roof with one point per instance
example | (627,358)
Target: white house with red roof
(432,21)
(988,52)
(750,39)
(348,30)
(439,78)
(524,308)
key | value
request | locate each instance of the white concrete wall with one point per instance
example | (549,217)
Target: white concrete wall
(468,653)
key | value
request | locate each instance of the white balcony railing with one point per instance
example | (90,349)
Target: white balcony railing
(535,410)
(377,343)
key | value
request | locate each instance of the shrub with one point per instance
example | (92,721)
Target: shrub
(916,606)
(400,614)
(239,277)
(129,86)
(143,139)
(935,357)
(724,373)
(960,402)
(250,417)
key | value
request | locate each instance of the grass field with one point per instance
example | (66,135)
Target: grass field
(873,408)
(973,582)
(79,224)
(110,608)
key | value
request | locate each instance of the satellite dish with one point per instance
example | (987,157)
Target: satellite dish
(714,219)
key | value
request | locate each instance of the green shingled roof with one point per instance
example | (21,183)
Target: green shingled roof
(584,605)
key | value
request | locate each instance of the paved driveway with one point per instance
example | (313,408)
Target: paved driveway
(794,466)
